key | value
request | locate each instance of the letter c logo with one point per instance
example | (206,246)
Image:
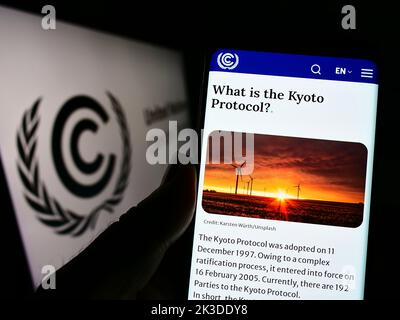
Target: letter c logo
(78,189)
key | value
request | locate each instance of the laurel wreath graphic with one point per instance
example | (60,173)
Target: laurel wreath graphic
(48,208)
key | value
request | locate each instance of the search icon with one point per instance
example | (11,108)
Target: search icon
(316,69)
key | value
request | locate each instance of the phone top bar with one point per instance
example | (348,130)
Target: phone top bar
(293,65)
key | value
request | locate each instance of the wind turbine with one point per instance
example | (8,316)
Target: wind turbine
(248,182)
(251,185)
(238,170)
(298,190)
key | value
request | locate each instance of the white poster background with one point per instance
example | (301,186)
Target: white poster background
(57,65)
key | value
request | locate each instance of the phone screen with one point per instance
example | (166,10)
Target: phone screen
(285,177)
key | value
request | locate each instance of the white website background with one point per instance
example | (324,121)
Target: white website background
(348,113)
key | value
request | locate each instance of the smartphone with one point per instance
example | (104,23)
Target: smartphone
(285,177)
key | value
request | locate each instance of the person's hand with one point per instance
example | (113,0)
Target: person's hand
(121,261)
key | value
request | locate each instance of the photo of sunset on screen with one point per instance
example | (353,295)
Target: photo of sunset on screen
(293,179)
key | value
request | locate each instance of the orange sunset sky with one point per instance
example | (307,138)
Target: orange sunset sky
(325,170)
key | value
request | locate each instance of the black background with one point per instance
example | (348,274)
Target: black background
(194,27)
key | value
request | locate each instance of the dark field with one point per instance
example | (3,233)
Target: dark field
(307,211)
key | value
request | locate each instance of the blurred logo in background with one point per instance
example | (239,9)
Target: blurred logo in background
(50,210)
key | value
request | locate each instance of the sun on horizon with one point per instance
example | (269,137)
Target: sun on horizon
(281,195)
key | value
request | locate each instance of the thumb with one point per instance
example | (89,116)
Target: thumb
(121,260)
(165,214)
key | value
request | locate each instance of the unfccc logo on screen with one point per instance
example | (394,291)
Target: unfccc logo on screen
(227,60)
